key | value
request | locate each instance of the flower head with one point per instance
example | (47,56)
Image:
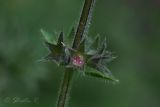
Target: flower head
(92,61)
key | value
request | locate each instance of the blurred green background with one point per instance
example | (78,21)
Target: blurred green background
(132,28)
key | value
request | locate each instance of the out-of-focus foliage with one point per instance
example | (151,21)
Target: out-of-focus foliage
(132,28)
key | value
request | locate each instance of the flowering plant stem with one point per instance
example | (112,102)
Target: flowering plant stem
(65,88)
(68,74)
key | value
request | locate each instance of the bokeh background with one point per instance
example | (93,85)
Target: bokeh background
(132,28)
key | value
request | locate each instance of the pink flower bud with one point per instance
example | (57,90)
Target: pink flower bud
(78,60)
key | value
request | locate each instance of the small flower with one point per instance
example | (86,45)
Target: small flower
(78,60)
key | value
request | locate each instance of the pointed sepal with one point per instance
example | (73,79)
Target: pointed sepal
(50,46)
(95,43)
(103,47)
(94,46)
(60,39)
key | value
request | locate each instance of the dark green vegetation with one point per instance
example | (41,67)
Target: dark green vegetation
(132,31)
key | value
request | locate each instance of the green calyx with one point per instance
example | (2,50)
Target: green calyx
(90,59)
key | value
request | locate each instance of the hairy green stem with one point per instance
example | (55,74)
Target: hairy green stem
(68,74)
(83,22)
(65,88)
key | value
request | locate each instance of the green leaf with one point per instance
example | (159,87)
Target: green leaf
(70,37)
(49,37)
(94,73)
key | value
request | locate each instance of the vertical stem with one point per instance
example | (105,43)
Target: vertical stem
(65,88)
(68,74)
(82,23)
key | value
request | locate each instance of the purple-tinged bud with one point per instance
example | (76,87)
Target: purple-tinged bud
(78,60)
